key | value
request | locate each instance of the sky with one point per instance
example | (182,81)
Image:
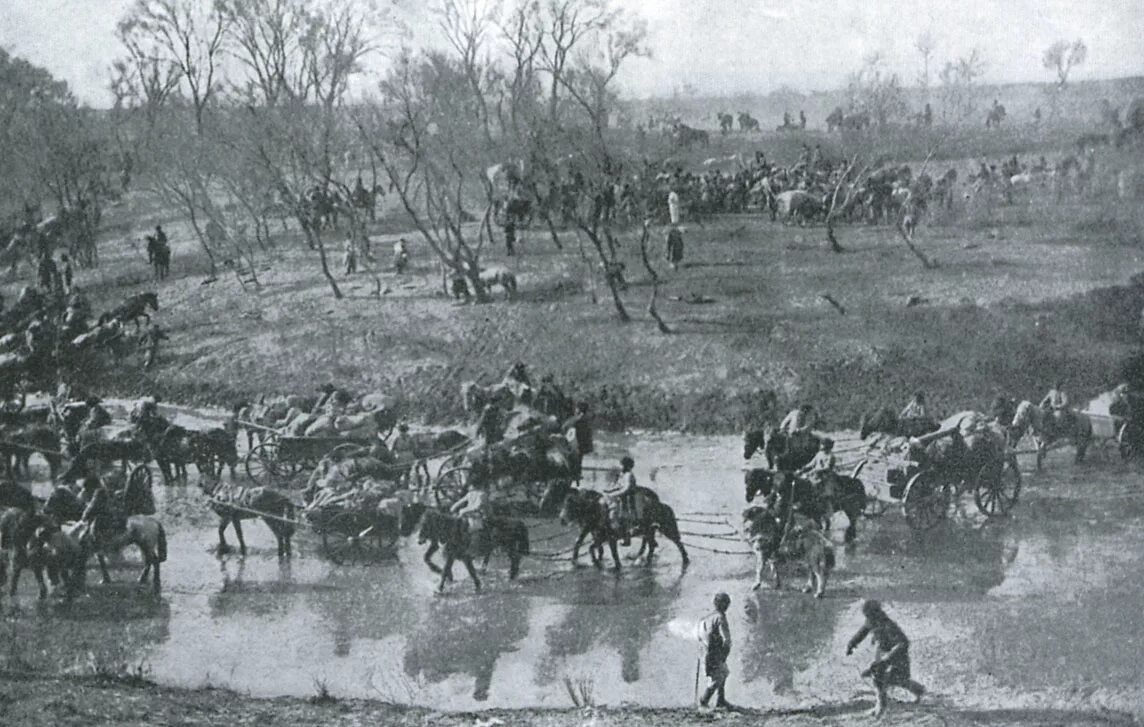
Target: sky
(716,46)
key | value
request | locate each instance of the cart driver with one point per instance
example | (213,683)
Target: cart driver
(1057,403)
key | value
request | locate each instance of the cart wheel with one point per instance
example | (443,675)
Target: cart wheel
(342,534)
(926,500)
(14,402)
(1126,440)
(451,485)
(262,464)
(997,488)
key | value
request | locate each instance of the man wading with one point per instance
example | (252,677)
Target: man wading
(715,644)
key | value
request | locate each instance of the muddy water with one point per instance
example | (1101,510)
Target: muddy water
(1040,609)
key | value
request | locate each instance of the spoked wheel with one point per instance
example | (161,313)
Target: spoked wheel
(926,501)
(997,488)
(343,534)
(263,467)
(451,486)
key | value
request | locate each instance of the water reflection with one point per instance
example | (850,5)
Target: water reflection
(604,611)
(466,635)
(785,632)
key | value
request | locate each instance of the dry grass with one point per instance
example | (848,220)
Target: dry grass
(1007,309)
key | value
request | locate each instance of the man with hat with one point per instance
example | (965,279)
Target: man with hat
(715,645)
(891,665)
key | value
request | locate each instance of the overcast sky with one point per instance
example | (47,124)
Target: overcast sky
(717,46)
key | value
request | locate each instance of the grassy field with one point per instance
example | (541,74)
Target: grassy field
(1023,293)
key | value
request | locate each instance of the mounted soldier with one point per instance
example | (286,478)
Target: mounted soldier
(622,511)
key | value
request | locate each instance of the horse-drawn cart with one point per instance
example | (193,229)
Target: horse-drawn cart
(520,470)
(1112,430)
(926,486)
(278,460)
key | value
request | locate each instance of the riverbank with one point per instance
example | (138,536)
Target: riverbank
(30,701)
(762,316)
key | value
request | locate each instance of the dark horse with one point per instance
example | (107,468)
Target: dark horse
(233,504)
(17,526)
(13,495)
(793,492)
(784,452)
(439,529)
(886,421)
(588,509)
(132,309)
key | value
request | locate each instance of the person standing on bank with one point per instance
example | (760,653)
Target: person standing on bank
(715,646)
(674,247)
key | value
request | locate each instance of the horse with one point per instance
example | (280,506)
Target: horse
(13,495)
(772,540)
(785,452)
(130,522)
(748,122)
(685,136)
(589,510)
(886,421)
(17,551)
(1074,426)
(21,442)
(475,397)
(68,546)
(132,309)
(793,492)
(726,122)
(502,276)
(213,449)
(233,504)
(439,529)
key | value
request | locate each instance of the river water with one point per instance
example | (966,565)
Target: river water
(1040,609)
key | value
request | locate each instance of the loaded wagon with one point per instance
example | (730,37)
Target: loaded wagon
(278,460)
(926,486)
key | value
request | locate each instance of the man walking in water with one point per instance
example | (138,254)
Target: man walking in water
(891,665)
(715,645)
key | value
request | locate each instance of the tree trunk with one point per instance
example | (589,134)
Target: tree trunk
(621,311)
(315,240)
(651,309)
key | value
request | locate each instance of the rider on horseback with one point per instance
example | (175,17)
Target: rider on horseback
(621,500)
(822,472)
(473,507)
(98,512)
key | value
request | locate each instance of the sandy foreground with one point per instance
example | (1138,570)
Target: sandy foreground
(28,700)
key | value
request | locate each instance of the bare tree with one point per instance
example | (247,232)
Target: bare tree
(188,35)
(876,90)
(297,61)
(1062,57)
(959,86)
(925,44)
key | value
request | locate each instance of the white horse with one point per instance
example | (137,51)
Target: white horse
(1048,428)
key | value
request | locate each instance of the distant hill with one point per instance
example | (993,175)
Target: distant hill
(1080,102)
